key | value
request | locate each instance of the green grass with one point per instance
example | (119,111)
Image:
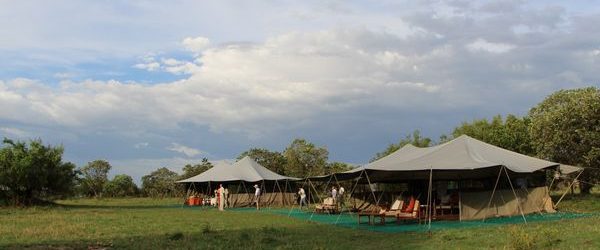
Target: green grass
(142,223)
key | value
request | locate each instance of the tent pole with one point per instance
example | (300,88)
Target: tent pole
(516,197)
(430,198)
(187,194)
(280,192)
(247,194)
(354,188)
(548,190)
(320,200)
(494,190)
(371,188)
(565,193)
(237,194)
(459,202)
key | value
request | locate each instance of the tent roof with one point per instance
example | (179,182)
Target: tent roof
(463,157)
(462,153)
(245,169)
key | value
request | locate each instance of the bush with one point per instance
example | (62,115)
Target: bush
(120,186)
(32,171)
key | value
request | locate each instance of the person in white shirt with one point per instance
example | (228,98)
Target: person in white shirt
(341,196)
(226,197)
(334,193)
(220,197)
(257,196)
(302,195)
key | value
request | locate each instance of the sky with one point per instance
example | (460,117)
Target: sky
(149,84)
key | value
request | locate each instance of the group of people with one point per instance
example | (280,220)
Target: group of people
(337,195)
(222,197)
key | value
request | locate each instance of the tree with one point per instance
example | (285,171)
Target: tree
(414,139)
(305,159)
(337,167)
(271,160)
(120,186)
(511,133)
(160,183)
(565,127)
(95,175)
(190,170)
(30,172)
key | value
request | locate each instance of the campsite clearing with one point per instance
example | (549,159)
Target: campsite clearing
(143,223)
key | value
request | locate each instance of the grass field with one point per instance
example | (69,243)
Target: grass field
(142,223)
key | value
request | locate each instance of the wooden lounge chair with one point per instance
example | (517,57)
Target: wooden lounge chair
(329,206)
(410,213)
(394,209)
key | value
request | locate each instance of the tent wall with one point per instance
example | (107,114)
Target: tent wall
(474,204)
(266,199)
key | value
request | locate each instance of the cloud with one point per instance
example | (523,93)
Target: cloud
(141,145)
(483,45)
(196,44)
(14,132)
(189,152)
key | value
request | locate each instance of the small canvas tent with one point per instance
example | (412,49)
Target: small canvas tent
(477,167)
(242,174)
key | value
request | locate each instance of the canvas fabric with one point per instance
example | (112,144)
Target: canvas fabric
(474,205)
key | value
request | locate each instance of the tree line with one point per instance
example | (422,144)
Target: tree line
(564,127)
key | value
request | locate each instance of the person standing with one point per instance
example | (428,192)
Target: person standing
(334,194)
(257,196)
(302,195)
(220,198)
(226,197)
(341,196)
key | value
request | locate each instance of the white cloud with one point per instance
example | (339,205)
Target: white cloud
(188,151)
(150,66)
(483,45)
(14,132)
(195,44)
(141,145)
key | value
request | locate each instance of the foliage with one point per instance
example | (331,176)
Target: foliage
(120,186)
(271,160)
(305,159)
(160,183)
(337,167)
(33,171)
(94,176)
(511,133)
(565,128)
(193,170)
(414,139)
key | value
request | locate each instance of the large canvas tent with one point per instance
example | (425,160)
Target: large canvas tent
(243,174)
(467,160)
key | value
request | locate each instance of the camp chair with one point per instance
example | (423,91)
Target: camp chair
(411,212)
(394,209)
(329,206)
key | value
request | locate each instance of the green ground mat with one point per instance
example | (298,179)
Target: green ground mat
(351,220)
